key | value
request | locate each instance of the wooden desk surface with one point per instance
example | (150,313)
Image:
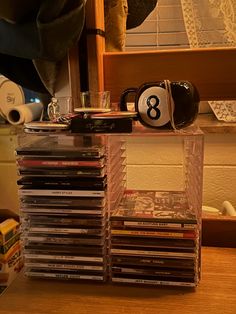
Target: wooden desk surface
(216,293)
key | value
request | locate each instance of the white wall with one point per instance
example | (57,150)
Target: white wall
(152,165)
(8,171)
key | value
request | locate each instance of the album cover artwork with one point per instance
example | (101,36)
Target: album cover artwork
(144,205)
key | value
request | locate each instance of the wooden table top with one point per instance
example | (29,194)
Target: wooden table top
(215,294)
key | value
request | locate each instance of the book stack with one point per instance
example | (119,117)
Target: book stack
(63,203)
(154,239)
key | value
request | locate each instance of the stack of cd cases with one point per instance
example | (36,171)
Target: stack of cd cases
(154,240)
(63,204)
(80,221)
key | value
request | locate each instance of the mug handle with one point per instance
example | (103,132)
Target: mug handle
(124,96)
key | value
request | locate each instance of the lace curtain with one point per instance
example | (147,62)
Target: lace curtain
(212,23)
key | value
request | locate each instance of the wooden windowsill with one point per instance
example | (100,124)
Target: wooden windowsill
(208,123)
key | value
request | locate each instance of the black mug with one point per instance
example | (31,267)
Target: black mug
(164,104)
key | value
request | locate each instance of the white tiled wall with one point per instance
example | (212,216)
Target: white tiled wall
(148,169)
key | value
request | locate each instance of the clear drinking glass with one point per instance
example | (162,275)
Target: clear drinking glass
(95,100)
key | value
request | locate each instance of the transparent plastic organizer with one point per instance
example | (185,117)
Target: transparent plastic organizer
(145,160)
(153,248)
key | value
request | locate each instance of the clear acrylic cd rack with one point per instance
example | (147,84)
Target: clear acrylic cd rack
(72,188)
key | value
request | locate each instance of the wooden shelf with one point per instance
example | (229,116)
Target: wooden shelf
(211,70)
(208,123)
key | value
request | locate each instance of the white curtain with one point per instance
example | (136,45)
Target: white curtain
(212,23)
